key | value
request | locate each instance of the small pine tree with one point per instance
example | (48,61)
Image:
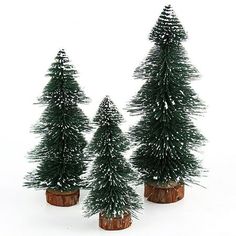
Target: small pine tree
(111,195)
(166,137)
(60,152)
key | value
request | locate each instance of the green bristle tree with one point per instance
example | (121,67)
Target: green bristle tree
(166,137)
(60,155)
(111,176)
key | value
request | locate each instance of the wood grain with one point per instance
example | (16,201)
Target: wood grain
(157,194)
(115,223)
(63,199)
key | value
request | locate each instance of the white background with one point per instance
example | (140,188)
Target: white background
(106,40)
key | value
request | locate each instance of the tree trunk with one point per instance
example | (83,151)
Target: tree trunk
(115,223)
(63,199)
(160,194)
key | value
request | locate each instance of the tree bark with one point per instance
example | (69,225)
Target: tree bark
(115,223)
(160,194)
(63,199)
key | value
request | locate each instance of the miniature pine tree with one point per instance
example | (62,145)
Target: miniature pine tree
(166,137)
(59,155)
(111,175)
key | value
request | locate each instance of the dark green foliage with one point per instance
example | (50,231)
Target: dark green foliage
(166,137)
(111,174)
(168,29)
(60,156)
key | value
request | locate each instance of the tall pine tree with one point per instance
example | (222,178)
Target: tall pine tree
(166,137)
(59,155)
(111,175)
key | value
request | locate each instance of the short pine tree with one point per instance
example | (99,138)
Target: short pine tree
(166,137)
(59,155)
(111,175)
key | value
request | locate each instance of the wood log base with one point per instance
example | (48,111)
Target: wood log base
(159,194)
(115,223)
(63,199)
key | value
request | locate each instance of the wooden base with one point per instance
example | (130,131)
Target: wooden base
(63,199)
(157,194)
(115,223)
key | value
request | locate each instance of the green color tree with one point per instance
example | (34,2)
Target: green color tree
(111,175)
(166,137)
(59,155)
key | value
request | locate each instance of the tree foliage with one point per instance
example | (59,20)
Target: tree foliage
(60,155)
(166,137)
(111,176)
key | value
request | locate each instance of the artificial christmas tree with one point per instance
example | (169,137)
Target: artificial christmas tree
(166,137)
(111,194)
(59,155)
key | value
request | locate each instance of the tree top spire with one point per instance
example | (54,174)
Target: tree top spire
(61,52)
(168,29)
(107,113)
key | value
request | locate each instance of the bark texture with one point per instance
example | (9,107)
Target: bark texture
(63,199)
(159,194)
(115,223)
